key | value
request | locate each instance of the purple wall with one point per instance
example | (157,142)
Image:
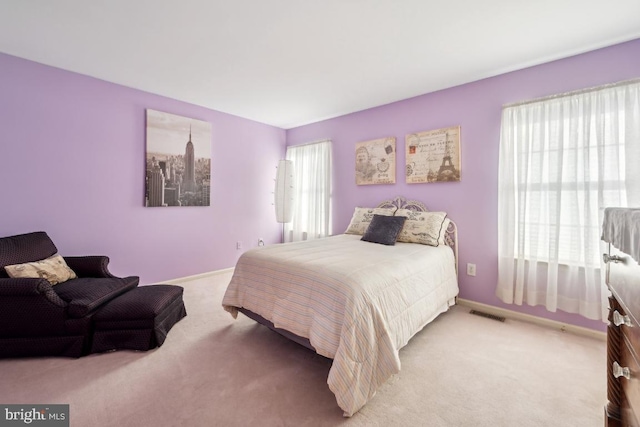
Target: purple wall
(471,203)
(72,163)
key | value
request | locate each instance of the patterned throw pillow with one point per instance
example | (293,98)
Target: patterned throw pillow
(53,269)
(362,218)
(425,228)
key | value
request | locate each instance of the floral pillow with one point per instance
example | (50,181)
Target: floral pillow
(426,228)
(362,218)
(54,269)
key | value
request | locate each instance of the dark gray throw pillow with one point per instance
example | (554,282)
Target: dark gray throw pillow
(384,229)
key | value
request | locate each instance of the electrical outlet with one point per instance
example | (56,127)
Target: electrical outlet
(260,242)
(238,245)
(471,269)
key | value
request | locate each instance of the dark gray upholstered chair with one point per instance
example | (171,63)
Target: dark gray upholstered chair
(38,319)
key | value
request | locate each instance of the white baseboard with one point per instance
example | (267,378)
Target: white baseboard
(509,314)
(196,276)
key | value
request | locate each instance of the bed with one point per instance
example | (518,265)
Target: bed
(349,300)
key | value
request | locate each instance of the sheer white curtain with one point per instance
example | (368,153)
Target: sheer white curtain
(564,159)
(312,191)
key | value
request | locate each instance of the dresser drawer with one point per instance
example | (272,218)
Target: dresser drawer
(631,386)
(630,330)
(623,279)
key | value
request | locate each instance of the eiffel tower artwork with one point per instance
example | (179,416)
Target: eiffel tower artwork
(447,171)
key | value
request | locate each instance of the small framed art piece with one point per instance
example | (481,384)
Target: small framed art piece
(178,161)
(433,156)
(376,161)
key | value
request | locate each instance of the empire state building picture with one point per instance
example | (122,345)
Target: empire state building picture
(178,161)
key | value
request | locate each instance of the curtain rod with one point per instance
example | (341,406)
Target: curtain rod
(311,142)
(574,92)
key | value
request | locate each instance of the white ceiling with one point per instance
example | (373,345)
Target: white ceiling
(293,62)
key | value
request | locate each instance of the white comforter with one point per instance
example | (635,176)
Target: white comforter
(357,302)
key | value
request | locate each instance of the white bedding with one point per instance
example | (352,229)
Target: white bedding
(357,302)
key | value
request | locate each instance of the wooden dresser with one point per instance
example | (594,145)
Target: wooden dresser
(623,332)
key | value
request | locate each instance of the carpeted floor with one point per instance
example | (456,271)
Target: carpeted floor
(461,370)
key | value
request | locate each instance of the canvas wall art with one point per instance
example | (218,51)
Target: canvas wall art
(376,161)
(433,156)
(178,161)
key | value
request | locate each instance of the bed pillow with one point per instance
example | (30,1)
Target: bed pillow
(54,269)
(362,218)
(443,232)
(422,227)
(384,229)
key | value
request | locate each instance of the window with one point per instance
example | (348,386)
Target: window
(312,191)
(562,161)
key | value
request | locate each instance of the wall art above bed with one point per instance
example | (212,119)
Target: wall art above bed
(178,161)
(376,161)
(433,156)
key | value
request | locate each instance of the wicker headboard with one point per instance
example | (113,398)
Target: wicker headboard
(451,236)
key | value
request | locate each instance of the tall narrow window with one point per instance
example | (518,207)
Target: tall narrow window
(312,191)
(564,159)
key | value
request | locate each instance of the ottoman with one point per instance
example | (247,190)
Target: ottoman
(137,320)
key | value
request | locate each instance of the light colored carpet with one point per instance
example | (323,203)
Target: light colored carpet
(461,370)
